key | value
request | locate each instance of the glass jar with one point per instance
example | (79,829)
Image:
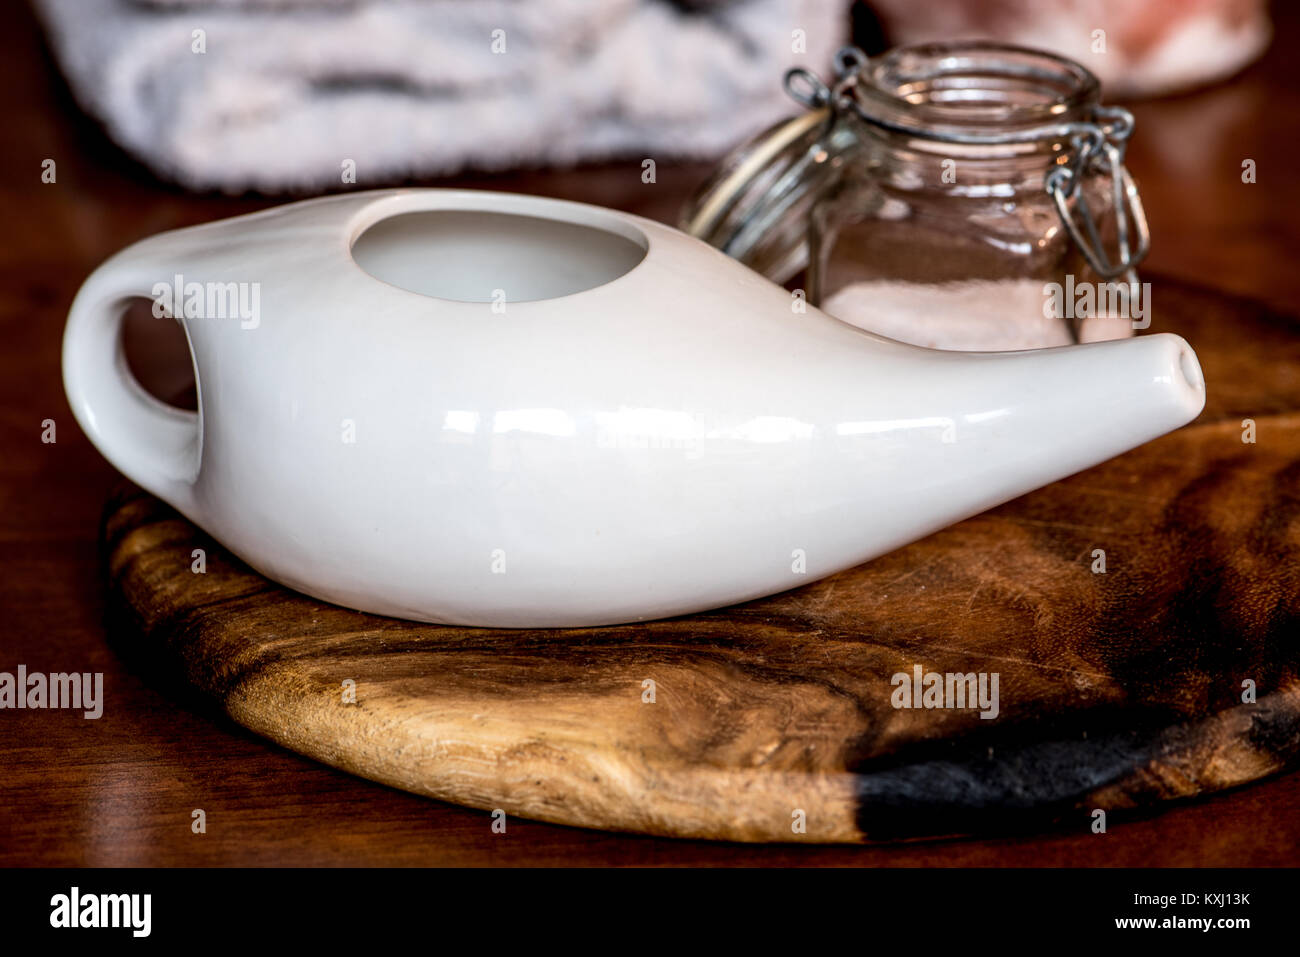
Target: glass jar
(957,195)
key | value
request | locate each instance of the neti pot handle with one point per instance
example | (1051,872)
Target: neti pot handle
(1099,146)
(155,445)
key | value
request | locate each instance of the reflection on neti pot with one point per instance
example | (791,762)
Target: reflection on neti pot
(488,409)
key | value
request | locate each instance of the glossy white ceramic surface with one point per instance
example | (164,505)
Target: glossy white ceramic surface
(674,438)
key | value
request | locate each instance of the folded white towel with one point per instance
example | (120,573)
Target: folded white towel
(285,94)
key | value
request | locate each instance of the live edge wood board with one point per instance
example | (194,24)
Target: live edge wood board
(773,721)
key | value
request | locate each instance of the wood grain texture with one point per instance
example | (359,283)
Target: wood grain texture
(1116,690)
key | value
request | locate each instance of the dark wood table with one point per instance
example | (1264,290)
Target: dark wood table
(120,790)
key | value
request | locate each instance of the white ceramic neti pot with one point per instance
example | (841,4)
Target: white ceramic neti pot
(487,409)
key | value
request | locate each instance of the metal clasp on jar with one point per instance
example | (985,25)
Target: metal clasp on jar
(1099,146)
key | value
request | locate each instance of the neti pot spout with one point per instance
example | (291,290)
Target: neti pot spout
(484,409)
(1030,418)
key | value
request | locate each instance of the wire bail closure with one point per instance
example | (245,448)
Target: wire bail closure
(1099,147)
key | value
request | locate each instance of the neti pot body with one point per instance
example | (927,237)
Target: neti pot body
(486,409)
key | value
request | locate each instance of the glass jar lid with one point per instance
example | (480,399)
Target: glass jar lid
(756,204)
(949,97)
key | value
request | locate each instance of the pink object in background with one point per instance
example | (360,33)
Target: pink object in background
(1145,47)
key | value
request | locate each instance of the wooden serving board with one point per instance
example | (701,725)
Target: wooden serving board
(1116,690)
